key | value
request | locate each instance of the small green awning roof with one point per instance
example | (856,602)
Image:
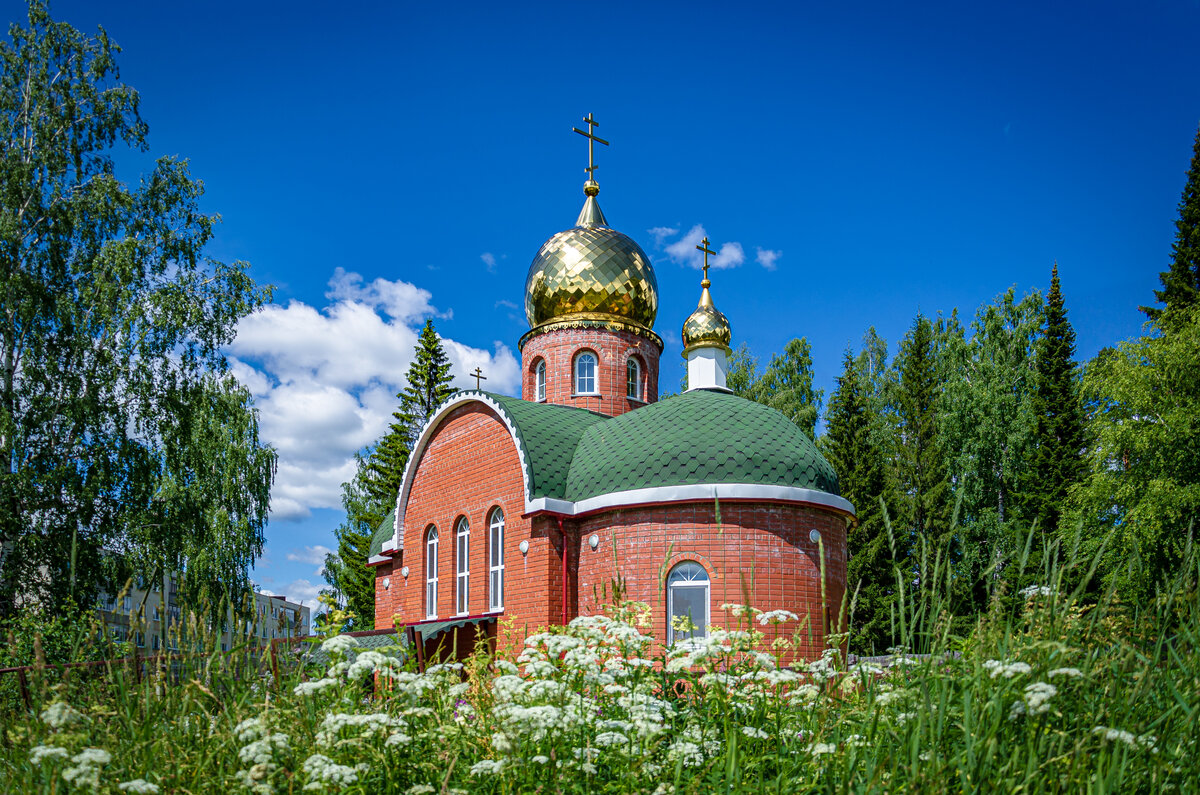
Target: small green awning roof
(430,630)
(382,533)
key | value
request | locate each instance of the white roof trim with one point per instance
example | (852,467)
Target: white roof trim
(375,560)
(426,434)
(693,493)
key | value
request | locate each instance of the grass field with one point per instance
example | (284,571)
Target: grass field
(1056,689)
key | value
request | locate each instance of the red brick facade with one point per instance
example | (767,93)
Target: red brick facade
(613,349)
(760,552)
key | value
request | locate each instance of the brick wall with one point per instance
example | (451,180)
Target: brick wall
(761,555)
(469,468)
(613,349)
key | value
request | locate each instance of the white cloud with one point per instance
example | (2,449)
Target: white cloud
(506,303)
(489,259)
(325,380)
(314,555)
(661,233)
(684,251)
(767,258)
(299,590)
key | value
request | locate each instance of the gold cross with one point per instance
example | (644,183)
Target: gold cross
(706,251)
(479,376)
(592,139)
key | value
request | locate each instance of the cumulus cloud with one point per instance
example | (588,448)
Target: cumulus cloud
(325,380)
(489,259)
(661,233)
(767,258)
(300,590)
(684,251)
(314,554)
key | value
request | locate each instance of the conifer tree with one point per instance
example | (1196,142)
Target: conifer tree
(1181,282)
(849,445)
(787,386)
(921,471)
(346,570)
(1055,460)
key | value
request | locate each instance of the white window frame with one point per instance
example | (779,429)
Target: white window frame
(496,561)
(687,574)
(579,377)
(633,367)
(462,567)
(539,381)
(431,572)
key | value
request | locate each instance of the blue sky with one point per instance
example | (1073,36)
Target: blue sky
(380,163)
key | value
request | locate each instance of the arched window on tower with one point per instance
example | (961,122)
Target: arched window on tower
(539,381)
(462,580)
(687,602)
(496,561)
(431,572)
(633,379)
(585,374)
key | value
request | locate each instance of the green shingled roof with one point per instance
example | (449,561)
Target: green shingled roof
(698,437)
(382,533)
(548,435)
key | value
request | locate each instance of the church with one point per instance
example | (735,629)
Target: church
(528,509)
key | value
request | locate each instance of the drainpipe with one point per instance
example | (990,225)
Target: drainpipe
(563,533)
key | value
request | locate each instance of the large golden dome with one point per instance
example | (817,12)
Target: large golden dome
(591,272)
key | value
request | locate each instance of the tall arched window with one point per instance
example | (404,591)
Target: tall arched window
(462,580)
(633,379)
(687,596)
(539,381)
(431,572)
(496,561)
(585,374)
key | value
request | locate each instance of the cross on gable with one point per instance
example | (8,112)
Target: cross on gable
(706,251)
(479,376)
(592,140)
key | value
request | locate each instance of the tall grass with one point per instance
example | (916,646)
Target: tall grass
(1058,688)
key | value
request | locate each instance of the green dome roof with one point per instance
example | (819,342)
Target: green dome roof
(699,437)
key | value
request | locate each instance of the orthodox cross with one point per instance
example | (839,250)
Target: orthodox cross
(706,251)
(592,140)
(479,376)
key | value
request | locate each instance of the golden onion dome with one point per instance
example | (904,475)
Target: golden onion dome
(591,272)
(706,327)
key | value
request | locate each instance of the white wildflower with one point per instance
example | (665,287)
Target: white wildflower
(263,750)
(611,738)
(1146,741)
(588,768)
(777,617)
(419,789)
(741,610)
(398,738)
(1071,672)
(40,753)
(688,752)
(139,786)
(321,770)
(541,759)
(365,724)
(59,715)
(249,729)
(817,749)
(315,686)
(339,645)
(1006,669)
(92,756)
(501,743)
(86,770)
(1036,590)
(754,733)
(487,767)
(888,696)
(1037,697)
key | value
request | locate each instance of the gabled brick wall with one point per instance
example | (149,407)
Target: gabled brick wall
(612,348)
(470,467)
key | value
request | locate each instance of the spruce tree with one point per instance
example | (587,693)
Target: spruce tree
(921,470)
(1055,460)
(346,571)
(849,445)
(787,386)
(1181,283)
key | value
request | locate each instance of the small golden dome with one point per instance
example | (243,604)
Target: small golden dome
(591,271)
(706,327)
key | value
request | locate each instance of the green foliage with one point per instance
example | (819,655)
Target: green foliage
(1141,497)
(346,570)
(921,466)
(119,427)
(987,427)
(1181,282)
(787,386)
(1054,461)
(743,372)
(849,445)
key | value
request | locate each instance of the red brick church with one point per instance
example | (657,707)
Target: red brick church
(529,508)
